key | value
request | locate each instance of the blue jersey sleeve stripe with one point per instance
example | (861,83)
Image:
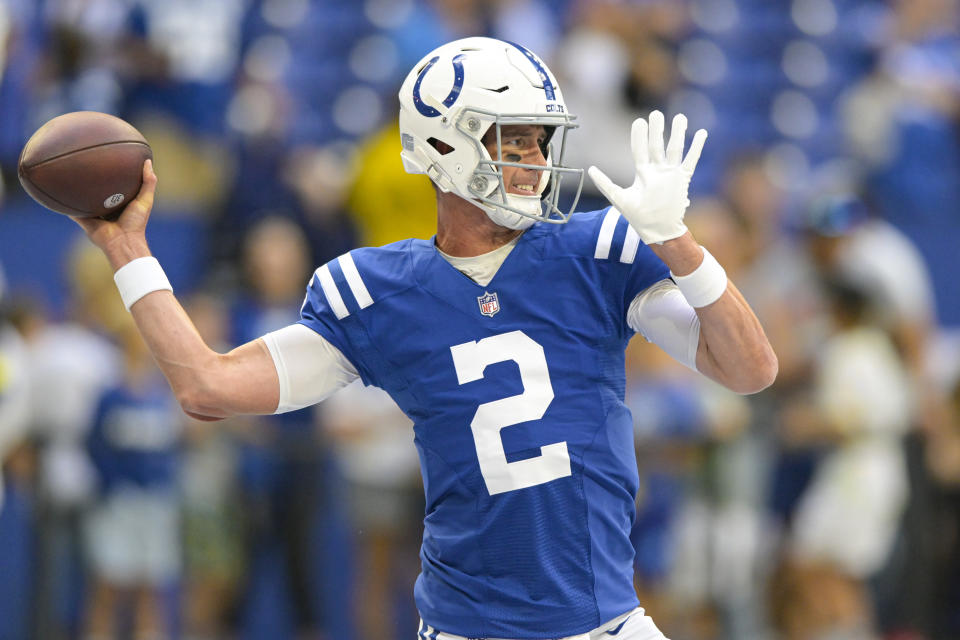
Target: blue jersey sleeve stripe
(630,245)
(605,239)
(331,292)
(306,298)
(354,281)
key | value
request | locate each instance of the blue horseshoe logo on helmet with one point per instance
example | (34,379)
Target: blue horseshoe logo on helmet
(426,109)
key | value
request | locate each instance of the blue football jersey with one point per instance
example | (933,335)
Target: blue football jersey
(516,392)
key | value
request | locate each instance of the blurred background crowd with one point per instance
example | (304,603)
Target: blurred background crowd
(825,507)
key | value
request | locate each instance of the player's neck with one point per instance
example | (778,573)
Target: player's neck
(464,230)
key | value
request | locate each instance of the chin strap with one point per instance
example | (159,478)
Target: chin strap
(531,205)
(510,219)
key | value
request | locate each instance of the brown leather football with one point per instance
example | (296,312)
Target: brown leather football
(85,164)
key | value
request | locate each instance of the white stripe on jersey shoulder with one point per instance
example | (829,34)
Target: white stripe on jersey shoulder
(630,244)
(605,239)
(331,292)
(354,280)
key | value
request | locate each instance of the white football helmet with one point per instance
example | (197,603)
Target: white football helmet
(454,95)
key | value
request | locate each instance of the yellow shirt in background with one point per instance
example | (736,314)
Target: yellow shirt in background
(387,203)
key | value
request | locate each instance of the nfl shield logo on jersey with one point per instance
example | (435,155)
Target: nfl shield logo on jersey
(489,304)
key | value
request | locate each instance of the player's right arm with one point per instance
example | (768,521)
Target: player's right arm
(207,384)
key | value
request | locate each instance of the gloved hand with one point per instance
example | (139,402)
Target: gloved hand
(656,201)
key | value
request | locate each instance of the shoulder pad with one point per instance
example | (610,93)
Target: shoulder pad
(603,234)
(358,278)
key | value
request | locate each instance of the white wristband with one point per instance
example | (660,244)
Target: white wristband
(705,284)
(139,277)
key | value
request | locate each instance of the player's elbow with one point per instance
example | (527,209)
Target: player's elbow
(242,382)
(197,402)
(202,395)
(760,373)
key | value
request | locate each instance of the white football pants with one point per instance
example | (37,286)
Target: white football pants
(633,625)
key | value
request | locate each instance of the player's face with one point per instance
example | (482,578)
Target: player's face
(520,143)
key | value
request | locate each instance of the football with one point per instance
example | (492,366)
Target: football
(84,164)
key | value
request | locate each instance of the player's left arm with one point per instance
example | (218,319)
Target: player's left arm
(733,349)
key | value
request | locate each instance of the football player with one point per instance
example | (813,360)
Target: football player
(502,338)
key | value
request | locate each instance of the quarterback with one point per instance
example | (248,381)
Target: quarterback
(502,338)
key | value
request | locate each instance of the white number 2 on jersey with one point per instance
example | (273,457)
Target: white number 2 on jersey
(470,359)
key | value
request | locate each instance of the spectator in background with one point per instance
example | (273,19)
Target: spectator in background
(320,178)
(213,551)
(845,240)
(275,252)
(5,29)
(21,50)
(936,517)
(283,463)
(71,365)
(922,589)
(17,470)
(943,450)
(133,531)
(180,65)
(185,56)
(848,517)
(276,172)
(259,117)
(374,443)
(901,122)
(668,419)
(82,69)
(14,390)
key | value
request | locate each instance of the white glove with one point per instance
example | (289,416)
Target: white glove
(654,205)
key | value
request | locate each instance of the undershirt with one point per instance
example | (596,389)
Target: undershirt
(482,268)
